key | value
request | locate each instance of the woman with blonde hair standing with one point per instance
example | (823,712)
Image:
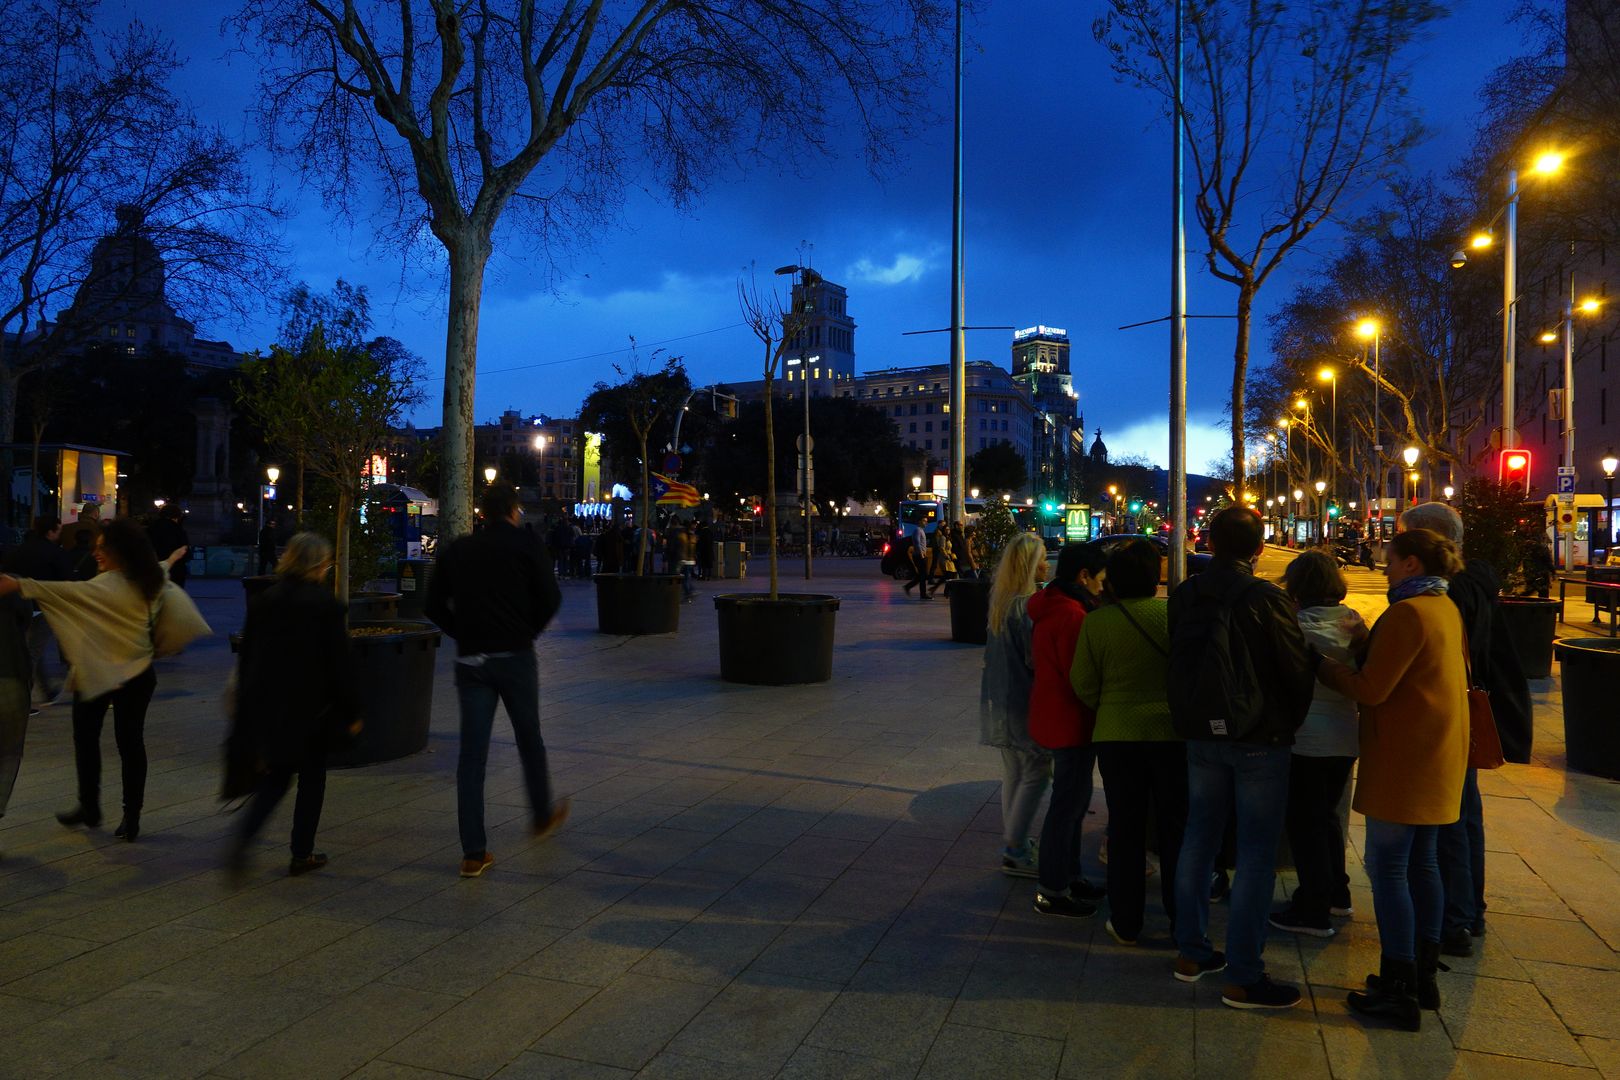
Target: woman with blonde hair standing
(1004,687)
(1413,693)
(295,696)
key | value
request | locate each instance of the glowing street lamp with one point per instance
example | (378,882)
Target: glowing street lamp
(489,474)
(1610,463)
(1448,491)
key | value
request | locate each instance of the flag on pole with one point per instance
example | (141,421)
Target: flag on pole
(667,492)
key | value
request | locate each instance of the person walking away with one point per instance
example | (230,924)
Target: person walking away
(1226,628)
(106,626)
(267,547)
(1324,751)
(84,531)
(40,556)
(1460,847)
(683,543)
(940,567)
(167,535)
(1120,671)
(1060,723)
(913,560)
(1004,688)
(15,667)
(1413,693)
(705,551)
(609,550)
(296,696)
(962,552)
(494,592)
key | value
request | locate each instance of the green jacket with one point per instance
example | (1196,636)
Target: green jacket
(1121,675)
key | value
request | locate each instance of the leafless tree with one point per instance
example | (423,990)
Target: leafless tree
(90,132)
(466,110)
(1292,108)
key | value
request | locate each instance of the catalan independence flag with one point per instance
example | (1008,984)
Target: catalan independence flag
(667,492)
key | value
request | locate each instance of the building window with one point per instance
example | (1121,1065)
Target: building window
(1004,425)
(981,444)
(928,425)
(897,409)
(914,410)
(929,408)
(928,444)
(914,427)
(913,444)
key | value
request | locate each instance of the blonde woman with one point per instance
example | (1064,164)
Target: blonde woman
(1009,671)
(295,696)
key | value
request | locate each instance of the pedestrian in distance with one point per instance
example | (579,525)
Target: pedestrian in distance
(940,565)
(1120,672)
(167,535)
(1413,693)
(1226,627)
(1495,666)
(108,627)
(683,545)
(83,532)
(14,691)
(1004,689)
(267,547)
(914,561)
(962,551)
(1324,751)
(40,556)
(494,593)
(296,697)
(1061,723)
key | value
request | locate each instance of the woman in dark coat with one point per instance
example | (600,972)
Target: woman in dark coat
(295,695)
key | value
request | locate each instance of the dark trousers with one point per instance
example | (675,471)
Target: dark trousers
(514,681)
(128,704)
(1065,814)
(1315,786)
(306,808)
(919,577)
(1461,850)
(1139,777)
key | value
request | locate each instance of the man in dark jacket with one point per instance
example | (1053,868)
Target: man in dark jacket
(168,535)
(494,592)
(40,556)
(1248,771)
(1494,665)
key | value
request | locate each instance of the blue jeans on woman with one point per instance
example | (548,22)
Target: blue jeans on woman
(1408,899)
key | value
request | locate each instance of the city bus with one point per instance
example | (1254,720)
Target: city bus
(929,510)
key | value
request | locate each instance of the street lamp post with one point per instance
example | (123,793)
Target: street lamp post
(489,474)
(1410,456)
(1328,375)
(1369,330)
(1609,463)
(273,474)
(1321,509)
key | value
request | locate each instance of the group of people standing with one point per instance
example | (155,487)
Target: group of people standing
(1236,711)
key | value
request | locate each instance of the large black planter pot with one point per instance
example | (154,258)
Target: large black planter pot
(395,681)
(373,606)
(1532,623)
(1590,669)
(638,604)
(777,642)
(970,610)
(395,676)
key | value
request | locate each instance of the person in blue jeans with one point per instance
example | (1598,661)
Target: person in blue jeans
(494,592)
(1249,773)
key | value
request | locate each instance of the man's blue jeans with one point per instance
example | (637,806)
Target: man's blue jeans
(512,679)
(1460,848)
(1255,779)
(1407,897)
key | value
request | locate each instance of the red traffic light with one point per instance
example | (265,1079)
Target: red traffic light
(1513,469)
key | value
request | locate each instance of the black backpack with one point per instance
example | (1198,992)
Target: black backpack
(1216,694)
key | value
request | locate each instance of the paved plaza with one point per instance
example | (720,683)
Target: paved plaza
(755,882)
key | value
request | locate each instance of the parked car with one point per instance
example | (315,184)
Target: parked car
(1197,561)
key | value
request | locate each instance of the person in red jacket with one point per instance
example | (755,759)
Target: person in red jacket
(1059,722)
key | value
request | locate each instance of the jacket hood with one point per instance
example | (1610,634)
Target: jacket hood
(1338,617)
(1049,601)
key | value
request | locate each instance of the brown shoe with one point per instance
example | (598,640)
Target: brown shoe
(553,821)
(475,867)
(303,864)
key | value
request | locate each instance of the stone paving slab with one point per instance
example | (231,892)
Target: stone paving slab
(797,882)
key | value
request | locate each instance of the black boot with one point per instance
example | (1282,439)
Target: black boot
(1428,987)
(130,827)
(80,815)
(1392,996)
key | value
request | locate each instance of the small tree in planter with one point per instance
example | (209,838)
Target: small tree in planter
(335,396)
(995,531)
(1501,528)
(627,412)
(770,638)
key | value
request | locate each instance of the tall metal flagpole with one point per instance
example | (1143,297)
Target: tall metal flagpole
(1178,348)
(958,316)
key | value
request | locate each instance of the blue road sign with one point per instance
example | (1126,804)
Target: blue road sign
(1566,485)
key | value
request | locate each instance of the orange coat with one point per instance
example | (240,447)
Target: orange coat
(1413,693)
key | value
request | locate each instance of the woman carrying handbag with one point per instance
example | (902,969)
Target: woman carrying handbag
(111,628)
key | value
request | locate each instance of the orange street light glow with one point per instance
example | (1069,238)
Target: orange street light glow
(1325,375)
(1549,336)
(1548,163)
(1367,329)
(1481,241)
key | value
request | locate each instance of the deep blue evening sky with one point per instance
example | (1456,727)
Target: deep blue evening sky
(1066,224)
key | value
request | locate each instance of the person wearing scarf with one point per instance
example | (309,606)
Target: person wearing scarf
(1413,693)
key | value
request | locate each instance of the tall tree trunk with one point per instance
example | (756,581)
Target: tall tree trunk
(645,516)
(345,507)
(770,479)
(298,512)
(469,253)
(10,379)
(1240,381)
